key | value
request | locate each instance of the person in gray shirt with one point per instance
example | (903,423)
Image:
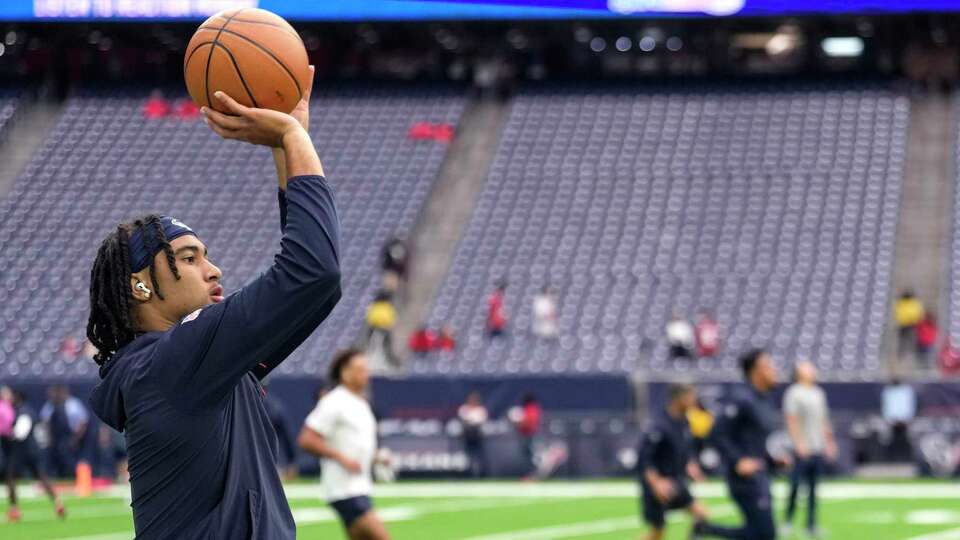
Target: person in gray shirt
(808,421)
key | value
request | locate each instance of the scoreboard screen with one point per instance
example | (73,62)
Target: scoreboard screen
(406,10)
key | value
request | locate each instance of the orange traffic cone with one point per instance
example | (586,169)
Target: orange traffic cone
(84,487)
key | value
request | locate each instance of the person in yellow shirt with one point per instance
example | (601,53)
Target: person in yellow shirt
(701,422)
(908,311)
(381,318)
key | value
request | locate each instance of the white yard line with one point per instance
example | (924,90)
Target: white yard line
(578,490)
(566,531)
(951,534)
(320,514)
(570,530)
(108,536)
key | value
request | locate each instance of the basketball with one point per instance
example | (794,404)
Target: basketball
(252,55)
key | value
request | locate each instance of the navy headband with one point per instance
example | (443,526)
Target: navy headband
(141,252)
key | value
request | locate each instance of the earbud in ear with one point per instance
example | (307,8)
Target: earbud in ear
(143,288)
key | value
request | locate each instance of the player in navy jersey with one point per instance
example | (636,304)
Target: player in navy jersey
(181,363)
(740,435)
(666,461)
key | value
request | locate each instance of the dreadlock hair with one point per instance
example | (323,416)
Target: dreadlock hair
(111,324)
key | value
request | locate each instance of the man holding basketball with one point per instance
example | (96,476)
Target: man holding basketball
(181,364)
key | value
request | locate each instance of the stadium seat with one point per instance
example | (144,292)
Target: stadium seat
(773,208)
(104,163)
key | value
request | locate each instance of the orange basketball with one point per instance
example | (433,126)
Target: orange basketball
(252,55)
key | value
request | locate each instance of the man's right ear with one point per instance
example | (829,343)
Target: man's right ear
(139,289)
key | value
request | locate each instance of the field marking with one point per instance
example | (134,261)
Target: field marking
(932,516)
(462,497)
(951,534)
(310,516)
(565,531)
(108,536)
(322,514)
(576,490)
(455,490)
(562,490)
(556,532)
(876,518)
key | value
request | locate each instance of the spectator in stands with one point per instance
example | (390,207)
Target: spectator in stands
(473,416)
(907,312)
(446,340)
(381,319)
(708,336)
(927,332)
(526,418)
(66,420)
(899,401)
(69,348)
(496,313)
(186,109)
(157,106)
(949,359)
(680,336)
(422,341)
(545,314)
(395,257)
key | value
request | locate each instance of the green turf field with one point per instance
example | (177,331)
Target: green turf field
(541,511)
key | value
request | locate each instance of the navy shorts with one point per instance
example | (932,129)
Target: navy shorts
(655,512)
(352,509)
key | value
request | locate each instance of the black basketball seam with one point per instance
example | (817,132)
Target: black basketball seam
(206,74)
(285,31)
(239,74)
(189,56)
(265,23)
(270,54)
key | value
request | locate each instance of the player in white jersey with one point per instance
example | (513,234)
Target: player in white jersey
(342,431)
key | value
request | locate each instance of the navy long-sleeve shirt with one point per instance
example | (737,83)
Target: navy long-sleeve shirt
(666,447)
(743,426)
(202,451)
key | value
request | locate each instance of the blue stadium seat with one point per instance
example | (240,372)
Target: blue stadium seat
(104,163)
(773,208)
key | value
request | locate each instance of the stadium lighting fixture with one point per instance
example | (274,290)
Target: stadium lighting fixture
(598,44)
(842,47)
(648,43)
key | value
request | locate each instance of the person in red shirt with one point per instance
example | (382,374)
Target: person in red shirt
(422,341)
(708,336)
(156,107)
(526,418)
(926,333)
(496,314)
(186,109)
(949,359)
(446,341)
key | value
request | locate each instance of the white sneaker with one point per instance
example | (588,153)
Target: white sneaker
(786,529)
